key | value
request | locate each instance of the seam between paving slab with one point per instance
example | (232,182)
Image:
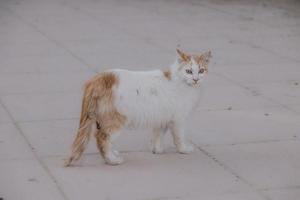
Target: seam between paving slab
(142,39)
(58,44)
(257,21)
(232,172)
(94,18)
(259,95)
(296,187)
(254,21)
(253,142)
(248,44)
(42,164)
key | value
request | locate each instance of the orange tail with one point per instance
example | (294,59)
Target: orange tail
(87,120)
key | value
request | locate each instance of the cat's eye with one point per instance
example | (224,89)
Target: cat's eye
(189,71)
(201,71)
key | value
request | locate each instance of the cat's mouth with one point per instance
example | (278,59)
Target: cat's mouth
(194,84)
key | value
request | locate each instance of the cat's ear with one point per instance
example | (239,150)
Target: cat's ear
(183,56)
(206,56)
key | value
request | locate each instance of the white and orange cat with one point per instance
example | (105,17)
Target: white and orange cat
(157,100)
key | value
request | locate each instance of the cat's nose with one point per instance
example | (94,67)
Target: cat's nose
(195,80)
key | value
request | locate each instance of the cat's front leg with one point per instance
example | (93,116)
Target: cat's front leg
(177,130)
(157,140)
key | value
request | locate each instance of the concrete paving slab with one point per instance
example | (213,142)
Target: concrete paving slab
(287,93)
(4,117)
(26,180)
(261,73)
(30,49)
(15,31)
(195,176)
(295,108)
(282,46)
(230,97)
(43,134)
(12,144)
(43,82)
(265,165)
(243,126)
(43,106)
(283,18)
(124,52)
(287,194)
(40,64)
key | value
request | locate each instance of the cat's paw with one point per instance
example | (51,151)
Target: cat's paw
(186,149)
(114,159)
(157,150)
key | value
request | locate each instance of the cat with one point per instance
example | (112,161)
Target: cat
(158,100)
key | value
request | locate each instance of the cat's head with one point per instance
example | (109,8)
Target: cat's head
(191,68)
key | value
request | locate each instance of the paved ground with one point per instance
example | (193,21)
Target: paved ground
(246,128)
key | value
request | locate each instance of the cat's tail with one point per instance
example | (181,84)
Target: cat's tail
(87,123)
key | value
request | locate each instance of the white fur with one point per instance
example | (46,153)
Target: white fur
(149,100)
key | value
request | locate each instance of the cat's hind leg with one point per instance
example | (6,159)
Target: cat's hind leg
(180,142)
(157,140)
(105,146)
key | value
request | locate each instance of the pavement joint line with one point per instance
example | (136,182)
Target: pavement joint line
(237,109)
(174,152)
(77,118)
(260,95)
(233,109)
(257,21)
(252,142)
(232,172)
(57,43)
(42,164)
(40,93)
(40,72)
(92,154)
(293,187)
(18,159)
(257,46)
(47,120)
(135,36)
(44,72)
(123,152)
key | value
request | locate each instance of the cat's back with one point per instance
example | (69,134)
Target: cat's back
(132,76)
(142,95)
(133,80)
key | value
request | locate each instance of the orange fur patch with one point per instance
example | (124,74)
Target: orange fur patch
(167,74)
(109,119)
(184,56)
(98,107)
(203,59)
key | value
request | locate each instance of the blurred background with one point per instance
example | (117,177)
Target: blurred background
(245,130)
